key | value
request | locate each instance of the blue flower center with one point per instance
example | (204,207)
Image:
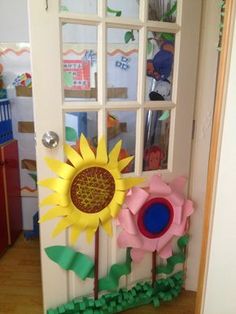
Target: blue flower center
(156,217)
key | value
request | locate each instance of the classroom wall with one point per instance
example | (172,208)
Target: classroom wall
(15,28)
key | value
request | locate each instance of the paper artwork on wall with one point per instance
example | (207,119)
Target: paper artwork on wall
(151,218)
(89,189)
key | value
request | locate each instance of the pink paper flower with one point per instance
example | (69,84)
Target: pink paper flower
(151,218)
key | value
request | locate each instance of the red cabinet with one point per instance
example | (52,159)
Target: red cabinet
(10,199)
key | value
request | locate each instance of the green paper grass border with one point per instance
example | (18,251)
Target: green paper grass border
(141,294)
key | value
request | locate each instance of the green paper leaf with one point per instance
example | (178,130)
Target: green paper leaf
(170,12)
(64,8)
(71,135)
(68,79)
(69,259)
(164,116)
(33,176)
(168,36)
(129,36)
(116,12)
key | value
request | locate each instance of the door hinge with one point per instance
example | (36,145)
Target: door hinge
(193,129)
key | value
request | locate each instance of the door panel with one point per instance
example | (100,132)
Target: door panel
(114,96)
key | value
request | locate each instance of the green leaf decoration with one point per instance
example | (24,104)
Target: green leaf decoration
(33,176)
(168,36)
(64,8)
(164,116)
(170,12)
(176,258)
(68,79)
(129,36)
(116,12)
(111,281)
(68,259)
(71,135)
(164,290)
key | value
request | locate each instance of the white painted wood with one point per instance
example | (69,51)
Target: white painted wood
(50,107)
(47,97)
(221,276)
(207,73)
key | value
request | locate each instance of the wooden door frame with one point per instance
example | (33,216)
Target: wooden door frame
(218,120)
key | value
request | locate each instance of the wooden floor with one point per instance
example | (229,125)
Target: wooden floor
(20,285)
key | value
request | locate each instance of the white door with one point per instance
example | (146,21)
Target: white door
(90,61)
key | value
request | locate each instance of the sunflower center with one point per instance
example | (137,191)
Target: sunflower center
(92,189)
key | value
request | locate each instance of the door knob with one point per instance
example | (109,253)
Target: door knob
(50,139)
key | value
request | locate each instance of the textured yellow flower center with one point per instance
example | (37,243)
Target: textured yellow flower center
(92,189)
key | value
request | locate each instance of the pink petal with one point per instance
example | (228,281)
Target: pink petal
(162,241)
(178,210)
(179,230)
(157,186)
(127,222)
(136,200)
(149,244)
(176,198)
(125,239)
(178,184)
(188,208)
(137,255)
(166,252)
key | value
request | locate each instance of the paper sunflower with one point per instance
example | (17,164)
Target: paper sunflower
(88,191)
(151,218)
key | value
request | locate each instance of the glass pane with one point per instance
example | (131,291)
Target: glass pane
(81,122)
(81,6)
(80,62)
(156,139)
(121,125)
(162,10)
(123,8)
(160,60)
(122,64)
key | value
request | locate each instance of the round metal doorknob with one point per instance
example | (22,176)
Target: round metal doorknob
(50,139)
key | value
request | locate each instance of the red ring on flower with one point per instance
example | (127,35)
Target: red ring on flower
(143,210)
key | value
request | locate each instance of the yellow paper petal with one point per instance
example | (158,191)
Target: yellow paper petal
(55,199)
(104,215)
(107,226)
(57,185)
(114,208)
(119,197)
(85,149)
(114,154)
(73,156)
(127,183)
(61,226)
(62,169)
(54,212)
(90,234)
(74,234)
(124,162)
(102,151)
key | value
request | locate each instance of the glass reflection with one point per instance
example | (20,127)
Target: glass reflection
(156,139)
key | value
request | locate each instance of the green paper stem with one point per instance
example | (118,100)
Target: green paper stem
(143,293)
(69,259)
(111,281)
(176,258)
